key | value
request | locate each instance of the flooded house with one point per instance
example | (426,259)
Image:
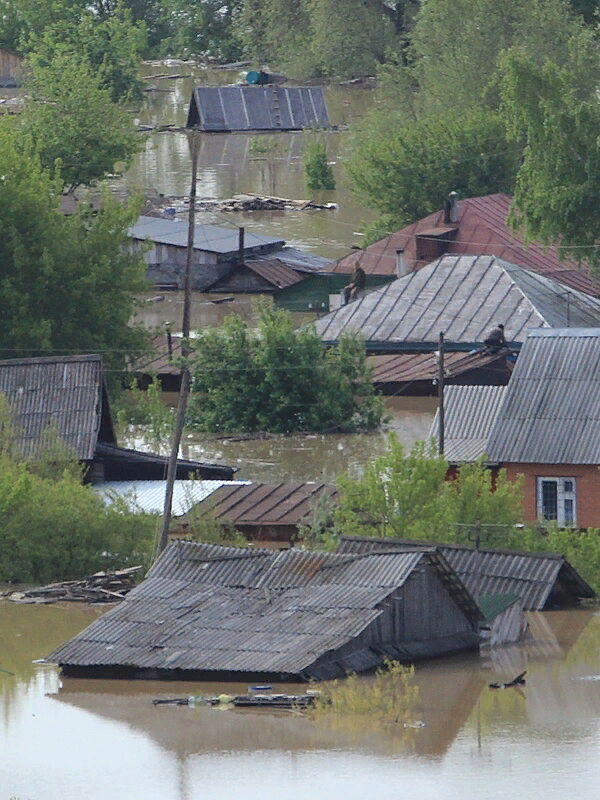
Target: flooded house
(257,108)
(69,394)
(211,612)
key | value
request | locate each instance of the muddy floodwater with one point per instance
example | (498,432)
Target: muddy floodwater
(67,739)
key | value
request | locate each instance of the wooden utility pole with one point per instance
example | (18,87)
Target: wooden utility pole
(441,396)
(184,389)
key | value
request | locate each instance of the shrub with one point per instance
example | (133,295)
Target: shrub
(319,174)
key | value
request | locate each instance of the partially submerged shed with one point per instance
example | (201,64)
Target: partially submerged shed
(257,108)
(543,581)
(212,612)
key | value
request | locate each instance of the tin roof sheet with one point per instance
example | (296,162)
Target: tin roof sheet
(463,297)
(149,496)
(551,414)
(258,108)
(65,391)
(482,230)
(208,238)
(469,416)
(206,607)
(409,367)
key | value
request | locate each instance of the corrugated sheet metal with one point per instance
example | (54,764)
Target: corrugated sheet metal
(463,297)
(257,108)
(278,274)
(407,367)
(64,391)
(149,496)
(551,414)
(206,607)
(531,576)
(208,238)
(469,416)
(482,230)
(267,504)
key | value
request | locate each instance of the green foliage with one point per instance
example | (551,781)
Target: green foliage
(319,174)
(74,123)
(558,185)
(407,173)
(149,409)
(66,283)
(208,29)
(406,496)
(318,531)
(279,379)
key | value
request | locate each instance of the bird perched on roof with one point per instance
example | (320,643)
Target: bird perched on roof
(495,338)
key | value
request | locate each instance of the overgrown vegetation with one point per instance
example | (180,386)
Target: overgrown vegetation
(278,379)
(319,174)
(148,408)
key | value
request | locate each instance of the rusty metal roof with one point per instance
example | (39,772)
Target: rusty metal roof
(485,572)
(481,230)
(409,367)
(462,297)
(469,416)
(257,108)
(551,414)
(266,504)
(210,608)
(65,391)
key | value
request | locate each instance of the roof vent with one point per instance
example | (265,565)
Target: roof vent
(400,264)
(451,211)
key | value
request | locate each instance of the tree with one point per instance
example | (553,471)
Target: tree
(206,29)
(278,379)
(66,283)
(319,174)
(557,191)
(407,173)
(74,122)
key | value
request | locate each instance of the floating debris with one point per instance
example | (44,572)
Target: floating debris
(102,587)
(244,700)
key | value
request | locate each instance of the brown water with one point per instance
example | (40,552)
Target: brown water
(64,739)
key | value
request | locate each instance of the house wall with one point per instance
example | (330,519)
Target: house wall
(587,478)
(10,63)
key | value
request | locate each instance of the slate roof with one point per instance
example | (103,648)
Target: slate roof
(462,297)
(257,108)
(551,414)
(469,415)
(490,572)
(208,238)
(481,230)
(221,609)
(65,391)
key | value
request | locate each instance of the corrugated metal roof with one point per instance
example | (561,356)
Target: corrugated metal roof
(486,572)
(551,414)
(257,108)
(267,504)
(278,274)
(407,367)
(463,297)
(65,391)
(149,496)
(469,415)
(206,607)
(481,230)
(208,238)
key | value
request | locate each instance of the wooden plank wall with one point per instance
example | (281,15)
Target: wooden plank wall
(10,63)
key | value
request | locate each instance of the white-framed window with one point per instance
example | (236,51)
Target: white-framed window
(557,501)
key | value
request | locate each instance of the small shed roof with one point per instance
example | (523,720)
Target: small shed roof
(469,416)
(551,414)
(221,609)
(413,367)
(65,391)
(149,496)
(481,230)
(208,238)
(257,108)
(462,296)
(266,504)
(542,580)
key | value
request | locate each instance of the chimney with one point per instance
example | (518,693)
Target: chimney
(451,210)
(241,246)
(400,264)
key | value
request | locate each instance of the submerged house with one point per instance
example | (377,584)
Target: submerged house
(69,393)
(212,612)
(257,108)
(542,581)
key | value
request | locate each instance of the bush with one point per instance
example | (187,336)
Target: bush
(319,174)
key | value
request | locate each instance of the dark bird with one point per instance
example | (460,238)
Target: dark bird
(519,680)
(495,338)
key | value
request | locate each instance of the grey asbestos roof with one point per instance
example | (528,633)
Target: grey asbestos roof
(209,238)
(551,414)
(257,108)
(486,572)
(149,496)
(210,608)
(65,391)
(469,415)
(462,297)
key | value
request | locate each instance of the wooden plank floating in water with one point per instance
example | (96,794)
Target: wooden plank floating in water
(244,700)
